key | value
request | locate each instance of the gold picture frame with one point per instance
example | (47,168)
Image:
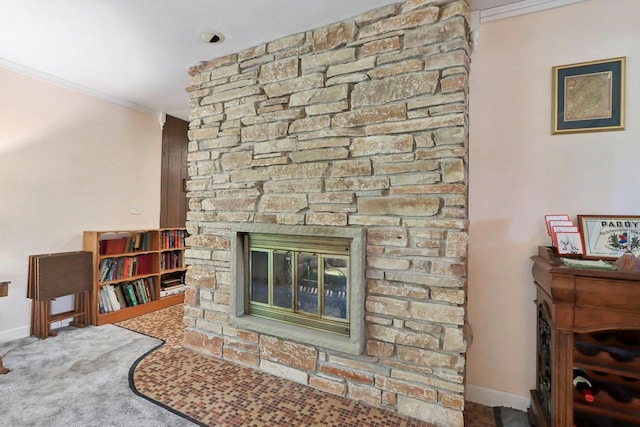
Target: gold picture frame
(589,96)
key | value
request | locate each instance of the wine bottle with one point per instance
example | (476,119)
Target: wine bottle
(620,354)
(582,383)
(630,338)
(620,393)
(586,348)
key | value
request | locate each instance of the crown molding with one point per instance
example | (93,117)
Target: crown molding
(521,8)
(48,78)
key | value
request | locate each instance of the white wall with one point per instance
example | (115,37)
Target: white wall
(68,162)
(519,172)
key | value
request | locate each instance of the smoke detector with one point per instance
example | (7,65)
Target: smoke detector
(212,37)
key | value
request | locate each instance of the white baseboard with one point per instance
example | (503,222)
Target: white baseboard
(15,333)
(492,397)
(25,331)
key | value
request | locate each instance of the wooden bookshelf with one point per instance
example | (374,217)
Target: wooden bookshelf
(130,266)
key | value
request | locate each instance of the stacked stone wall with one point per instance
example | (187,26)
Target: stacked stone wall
(362,123)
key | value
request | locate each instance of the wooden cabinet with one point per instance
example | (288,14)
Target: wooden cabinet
(589,319)
(132,266)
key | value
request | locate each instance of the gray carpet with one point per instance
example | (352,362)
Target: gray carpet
(79,378)
(509,417)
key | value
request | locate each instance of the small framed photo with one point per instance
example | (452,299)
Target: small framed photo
(558,223)
(569,243)
(589,96)
(609,237)
(562,229)
(554,217)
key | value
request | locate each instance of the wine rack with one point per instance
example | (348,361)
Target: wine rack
(612,361)
(588,319)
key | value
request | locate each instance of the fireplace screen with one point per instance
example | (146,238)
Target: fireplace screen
(299,279)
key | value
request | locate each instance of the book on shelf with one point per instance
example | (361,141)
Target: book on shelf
(143,264)
(120,271)
(171,284)
(114,246)
(103,269)
(129,295)
(172,290)
(151,289)
(136,292)
(141,291)
(113,299)
(138,242)
(102,307)
(105,300)
(123,267)
(120,296)
(135,243)
(172,281)
(171,260)
(100,303)
(173,238)
(120,243)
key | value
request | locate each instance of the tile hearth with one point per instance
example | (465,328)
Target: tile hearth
(215,392)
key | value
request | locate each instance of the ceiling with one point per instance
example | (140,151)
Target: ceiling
(137,52)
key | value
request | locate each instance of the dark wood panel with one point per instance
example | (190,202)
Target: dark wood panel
(173,199)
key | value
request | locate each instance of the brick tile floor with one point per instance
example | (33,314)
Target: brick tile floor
(212,391)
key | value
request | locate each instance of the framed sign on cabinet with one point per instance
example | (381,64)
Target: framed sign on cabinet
(609,237)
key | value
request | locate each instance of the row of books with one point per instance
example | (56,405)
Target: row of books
(123,267)
(171,260)
(135,242)
(170,239)
(128,294)
(171,285)
(172,290)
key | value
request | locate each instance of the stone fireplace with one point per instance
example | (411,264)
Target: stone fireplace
(355,132)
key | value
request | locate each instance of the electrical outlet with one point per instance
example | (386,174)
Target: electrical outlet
(135,209)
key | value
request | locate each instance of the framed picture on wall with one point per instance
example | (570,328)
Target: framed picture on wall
(589,96)
(609,237)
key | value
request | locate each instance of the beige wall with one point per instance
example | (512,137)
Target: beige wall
(519,172)
(68,162)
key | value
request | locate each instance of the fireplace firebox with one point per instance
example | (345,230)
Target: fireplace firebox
(299,279)
(305,283)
